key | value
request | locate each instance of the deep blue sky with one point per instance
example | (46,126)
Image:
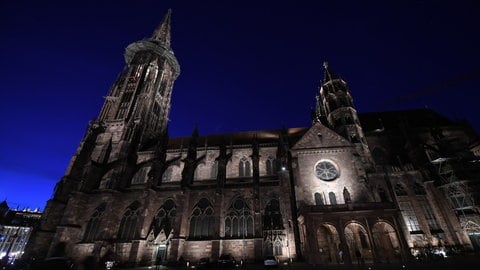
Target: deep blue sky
(246,65)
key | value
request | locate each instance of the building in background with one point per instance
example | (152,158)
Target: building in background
(16,227)
(351,188)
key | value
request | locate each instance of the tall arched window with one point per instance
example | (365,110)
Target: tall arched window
(244,167)
(239,220)
(333,199)
(318,199)
(128,225)
(165,218)
(277,248)
(270,166)
(91,232)
(272,220)
(201,220)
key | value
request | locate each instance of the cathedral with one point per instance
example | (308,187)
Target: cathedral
(350,188)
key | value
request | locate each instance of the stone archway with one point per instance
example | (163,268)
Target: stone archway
(386,242)
(328,241)
(359,246)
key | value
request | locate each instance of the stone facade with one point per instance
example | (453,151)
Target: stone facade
(347,189)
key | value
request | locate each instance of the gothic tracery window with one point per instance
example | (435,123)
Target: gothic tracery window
(128,225)
(270,166)
(244,168)
(92,229)
(201,220)
(165,218)
(239,220)
(272,220)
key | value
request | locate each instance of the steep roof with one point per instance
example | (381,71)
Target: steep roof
(240,138)
(392,119)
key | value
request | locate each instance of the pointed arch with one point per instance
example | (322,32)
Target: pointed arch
(272,218)
(270,166)
(244,169)
(92,230)
(239,219)
(164,218)
(201,220)
(128,226)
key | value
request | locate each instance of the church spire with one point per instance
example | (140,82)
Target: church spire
(328,76)
(162,33)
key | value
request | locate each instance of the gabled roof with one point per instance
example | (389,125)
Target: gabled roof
(320,136)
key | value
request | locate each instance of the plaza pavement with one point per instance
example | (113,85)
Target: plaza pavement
(466,262)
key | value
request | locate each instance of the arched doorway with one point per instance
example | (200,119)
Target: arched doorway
(328,241)
(358,243)
(386,242)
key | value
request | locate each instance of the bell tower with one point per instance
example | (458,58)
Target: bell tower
(140,97)
(134,116)
(335,109)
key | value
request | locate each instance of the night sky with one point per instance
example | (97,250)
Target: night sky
(246,65)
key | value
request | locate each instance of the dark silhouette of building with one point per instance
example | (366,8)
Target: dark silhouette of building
(348,184)
(16,227)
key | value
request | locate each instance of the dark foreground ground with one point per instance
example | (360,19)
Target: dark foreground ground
(459,262)
(466,262)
